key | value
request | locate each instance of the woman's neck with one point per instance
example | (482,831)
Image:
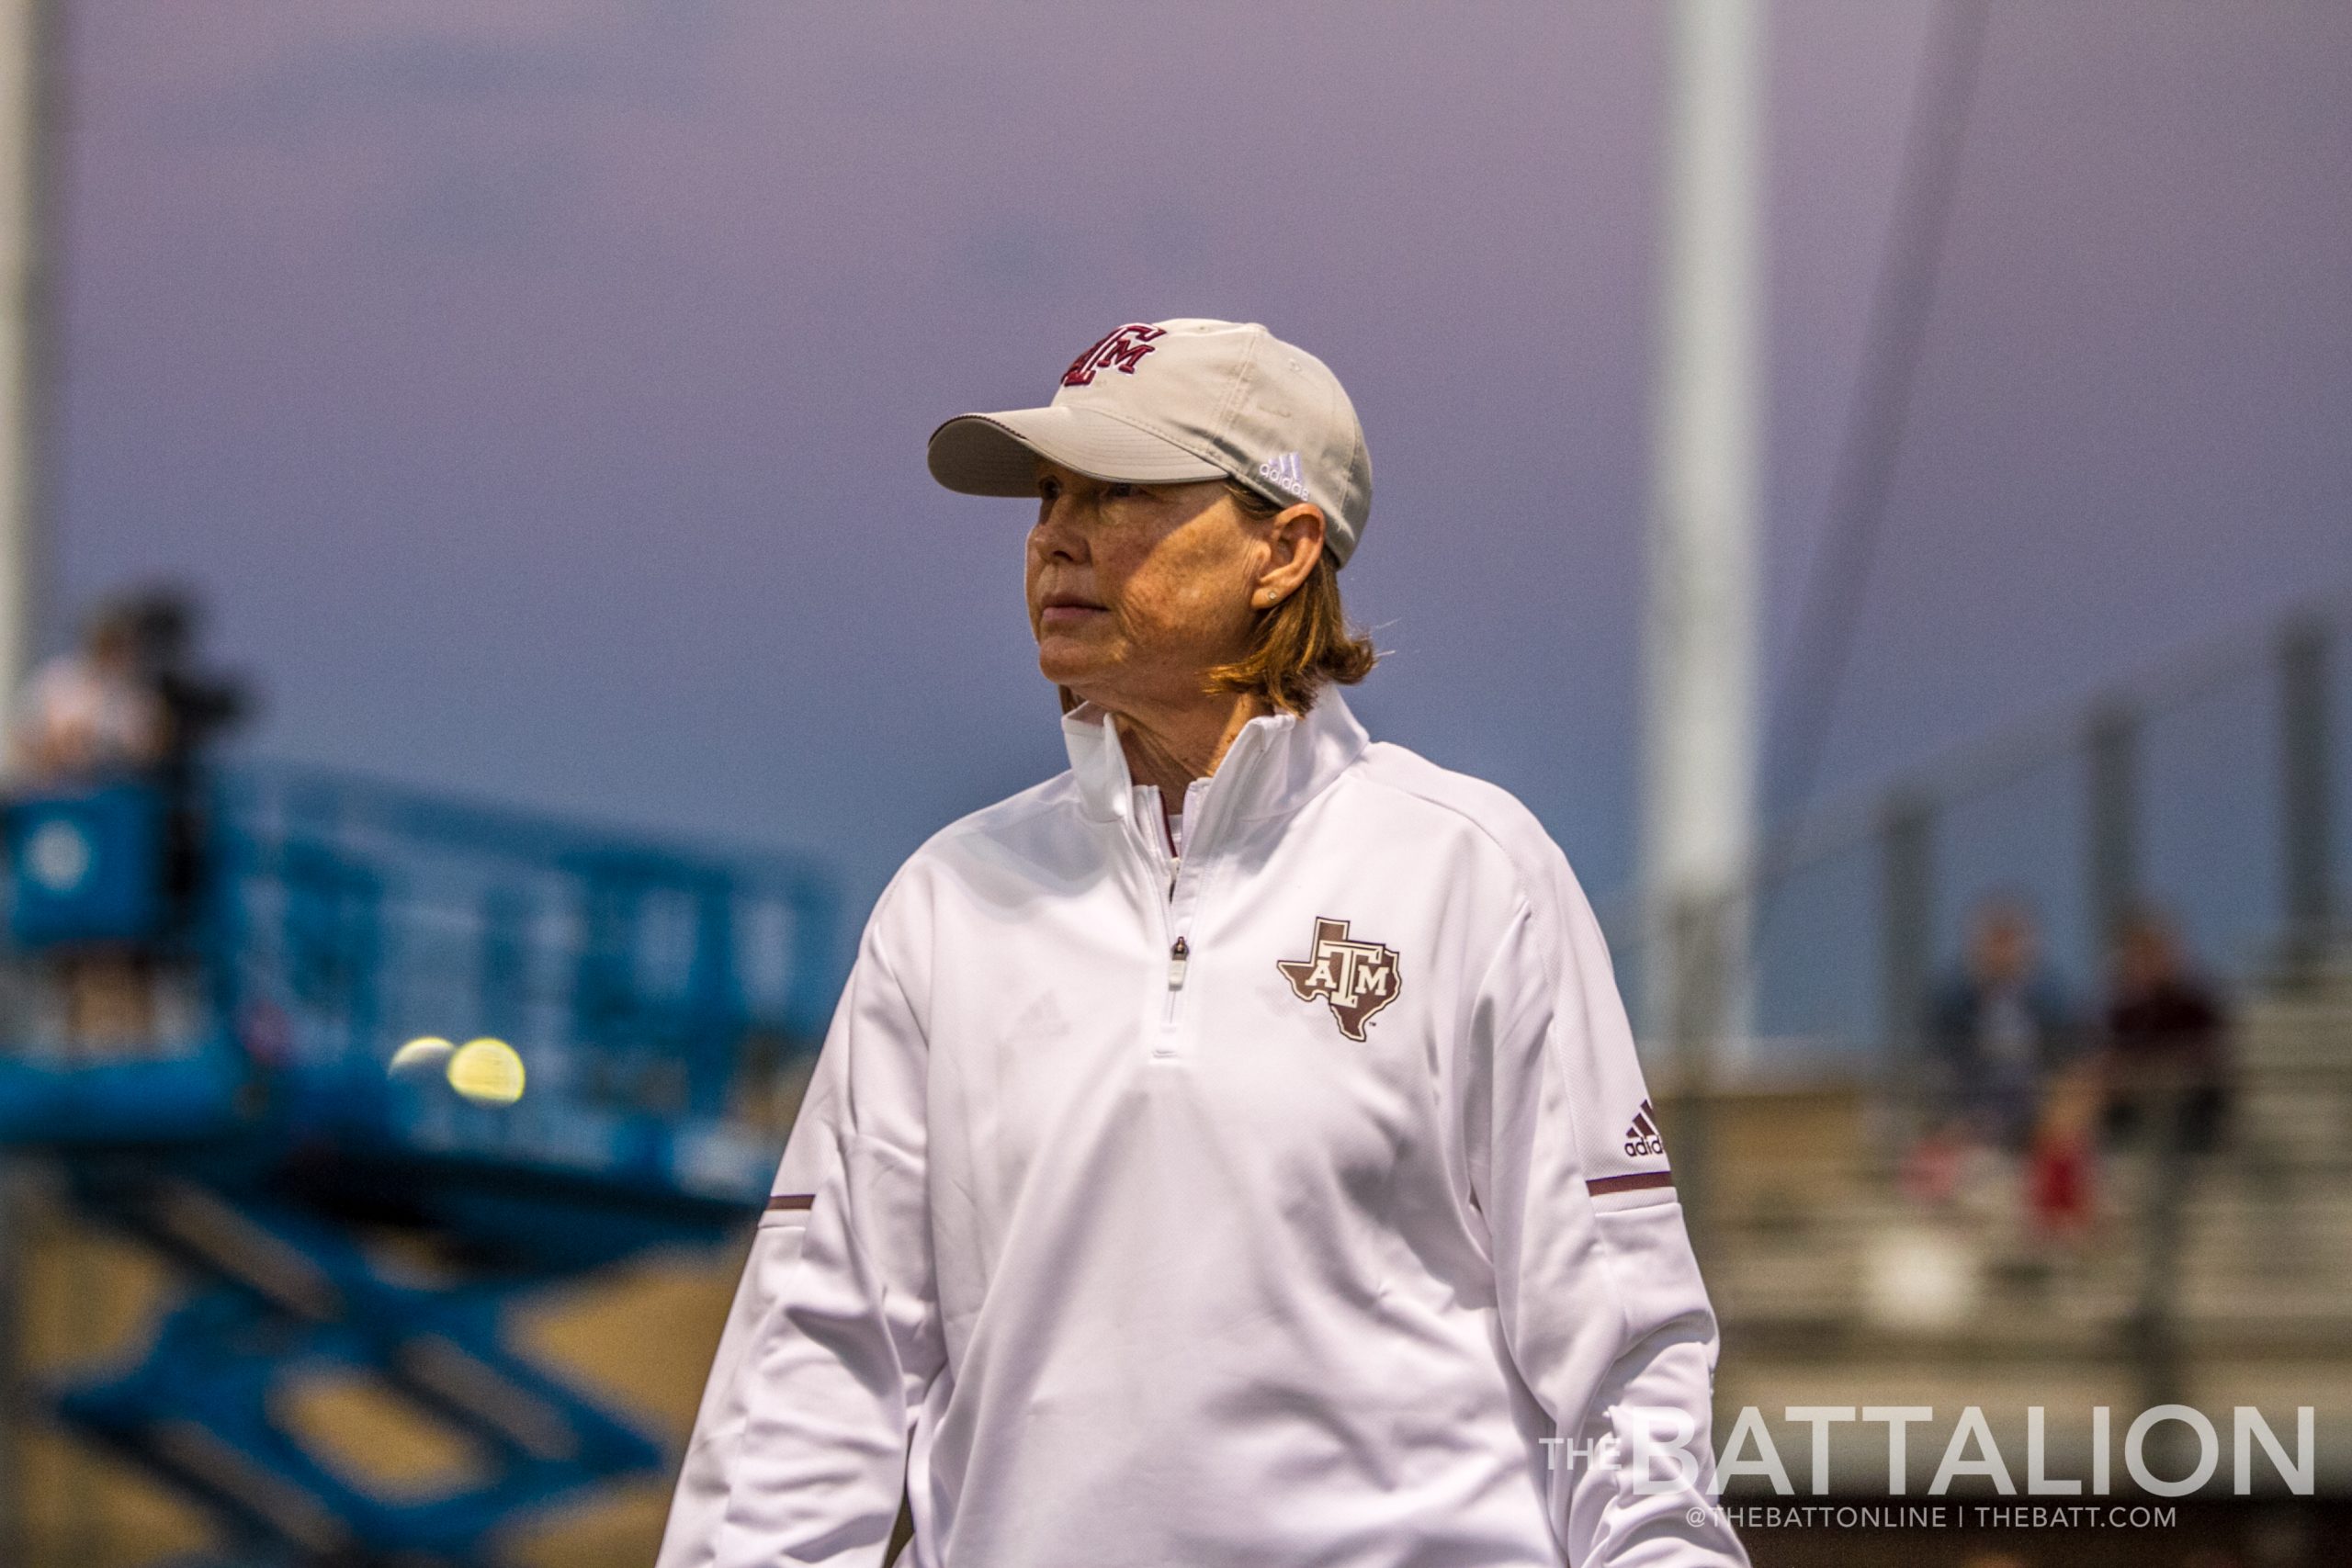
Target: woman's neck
(1169,749)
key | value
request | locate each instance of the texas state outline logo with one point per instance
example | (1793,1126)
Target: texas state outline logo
(1358,978)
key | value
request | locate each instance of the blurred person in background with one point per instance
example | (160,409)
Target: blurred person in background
(93,712)
(132,705)
(88,718)
(2061,1188)
(2166,1071)
(1231,1150)
(2166,1062)
(199,706)
(1997,1030)
(2005,1137)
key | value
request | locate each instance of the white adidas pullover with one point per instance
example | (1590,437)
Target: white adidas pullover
(1293,1203)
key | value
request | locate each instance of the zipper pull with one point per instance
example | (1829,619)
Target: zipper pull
(1178,956)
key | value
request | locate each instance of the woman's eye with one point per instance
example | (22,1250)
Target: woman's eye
(1118,492)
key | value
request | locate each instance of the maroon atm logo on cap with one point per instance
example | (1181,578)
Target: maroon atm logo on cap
(1122,351)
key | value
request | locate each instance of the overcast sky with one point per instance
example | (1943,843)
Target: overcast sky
(539,390)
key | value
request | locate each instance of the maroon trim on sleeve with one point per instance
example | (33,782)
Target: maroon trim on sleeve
(1634,1183)
(791,1200)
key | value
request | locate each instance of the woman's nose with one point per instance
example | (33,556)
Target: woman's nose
(1059,529)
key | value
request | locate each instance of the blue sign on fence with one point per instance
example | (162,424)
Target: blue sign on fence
(85,865)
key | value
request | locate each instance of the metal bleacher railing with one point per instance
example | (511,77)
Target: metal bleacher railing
(2210,784)
(536,1049)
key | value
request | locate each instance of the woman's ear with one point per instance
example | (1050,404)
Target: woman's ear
(1296,534)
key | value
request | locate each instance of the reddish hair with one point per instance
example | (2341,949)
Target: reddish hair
(1298,646)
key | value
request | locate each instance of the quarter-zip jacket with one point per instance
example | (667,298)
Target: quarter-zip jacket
(1294,1201)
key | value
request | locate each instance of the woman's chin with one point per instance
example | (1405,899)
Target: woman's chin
(1066,665)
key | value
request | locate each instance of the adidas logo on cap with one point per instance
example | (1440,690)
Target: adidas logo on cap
(1286,474)
(1642,1138)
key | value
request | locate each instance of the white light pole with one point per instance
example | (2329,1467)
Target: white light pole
(22,325)
(23,291)
(1700,630)
(24,94)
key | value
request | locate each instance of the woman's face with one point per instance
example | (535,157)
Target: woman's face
(1135,591)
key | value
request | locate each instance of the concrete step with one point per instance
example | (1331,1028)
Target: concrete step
(2084,1315)
(2297,1035)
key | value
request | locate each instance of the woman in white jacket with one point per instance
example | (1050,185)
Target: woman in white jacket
(1231,1151)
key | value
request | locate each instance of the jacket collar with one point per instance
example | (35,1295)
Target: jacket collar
(1278,762)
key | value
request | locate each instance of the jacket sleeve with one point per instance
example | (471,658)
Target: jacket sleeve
(1599,1299)
(798,1452)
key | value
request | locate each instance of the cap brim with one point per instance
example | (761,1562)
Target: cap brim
(996,454)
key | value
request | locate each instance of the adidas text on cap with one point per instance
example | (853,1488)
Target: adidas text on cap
(1175,402)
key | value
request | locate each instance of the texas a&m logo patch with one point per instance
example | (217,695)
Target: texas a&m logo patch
(1358,978)
(1123,350)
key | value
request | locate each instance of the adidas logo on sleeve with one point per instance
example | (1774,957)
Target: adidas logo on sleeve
(1642,1138)
(1644,1145)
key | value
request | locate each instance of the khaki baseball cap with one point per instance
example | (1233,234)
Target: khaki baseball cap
(1175,402)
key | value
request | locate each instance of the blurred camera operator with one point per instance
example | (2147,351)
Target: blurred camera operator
(131,706)
(94,711)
